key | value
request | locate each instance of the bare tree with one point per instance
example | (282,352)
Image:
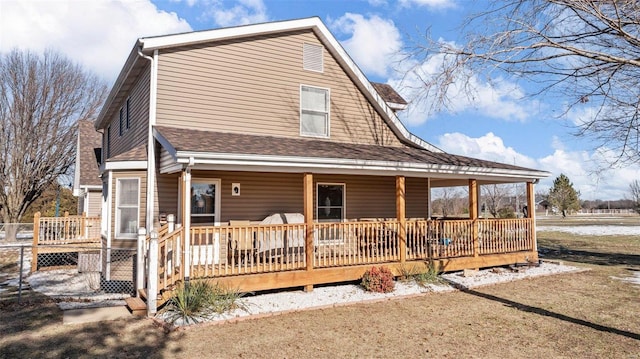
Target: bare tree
(41,99)
(634,189)
(494,196)
(583,51)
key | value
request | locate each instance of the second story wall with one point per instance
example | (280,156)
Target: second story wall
(253,86)
(124,139)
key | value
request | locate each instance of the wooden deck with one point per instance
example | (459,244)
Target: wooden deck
(67,234)
(259,257)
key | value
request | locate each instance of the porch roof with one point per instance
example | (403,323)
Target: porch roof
(266,153)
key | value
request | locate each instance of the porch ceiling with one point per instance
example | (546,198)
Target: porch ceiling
(194,147)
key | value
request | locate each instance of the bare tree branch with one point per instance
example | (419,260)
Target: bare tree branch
(584,51)
(41,99)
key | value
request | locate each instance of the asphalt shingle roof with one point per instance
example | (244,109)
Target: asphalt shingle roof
(233,143)
(89,152)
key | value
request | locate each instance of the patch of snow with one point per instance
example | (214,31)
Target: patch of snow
(503,275)
(635,279)
(331,296)
(593,230)
(73,286)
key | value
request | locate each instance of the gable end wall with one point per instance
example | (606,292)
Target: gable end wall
(253,87)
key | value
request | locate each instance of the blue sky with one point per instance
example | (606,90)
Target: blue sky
(502,124)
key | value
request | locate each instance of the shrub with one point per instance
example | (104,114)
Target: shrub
(195,301)
(506,212)
(420,276)
(378,279)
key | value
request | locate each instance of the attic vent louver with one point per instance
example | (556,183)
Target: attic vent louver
(312,57)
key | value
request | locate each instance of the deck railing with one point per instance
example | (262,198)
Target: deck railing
(66,230)
(229,250)
(170,269)
(505,235)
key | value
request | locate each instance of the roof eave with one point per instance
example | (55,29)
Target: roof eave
(189,158)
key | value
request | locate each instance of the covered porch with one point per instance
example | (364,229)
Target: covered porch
(252,256)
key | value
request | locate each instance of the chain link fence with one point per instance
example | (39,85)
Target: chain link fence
(16,232)
(77,272)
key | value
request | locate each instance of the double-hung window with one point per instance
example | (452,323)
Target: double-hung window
(314,111)
(127,207)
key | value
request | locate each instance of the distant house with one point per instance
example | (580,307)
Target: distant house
(225,128)
(87,184)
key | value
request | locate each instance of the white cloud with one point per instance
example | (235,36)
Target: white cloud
(500,99)
(374,43)
(243,12)
(431,4)
(97,34)
(582,167)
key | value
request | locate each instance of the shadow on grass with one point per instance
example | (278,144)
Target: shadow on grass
(547,313)
(588,257)
(34,329)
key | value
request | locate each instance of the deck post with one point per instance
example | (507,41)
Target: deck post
(152,283)
(83,225)
(142,235)
(36,237)
(401,217)
(531,214)
(308,220)
(473,215)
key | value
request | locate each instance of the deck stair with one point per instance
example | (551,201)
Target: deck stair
(138,305)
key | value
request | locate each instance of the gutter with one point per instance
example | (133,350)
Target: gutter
(151,153)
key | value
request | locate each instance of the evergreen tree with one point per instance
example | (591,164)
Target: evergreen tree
(563,196)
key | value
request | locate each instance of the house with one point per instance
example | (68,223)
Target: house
(216,131)
(87,185)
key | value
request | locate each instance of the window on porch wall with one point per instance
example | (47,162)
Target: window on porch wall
(127,207)
(330,208)
(203,203)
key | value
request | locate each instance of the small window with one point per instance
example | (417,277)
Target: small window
(330,202)
(127,207)
(108,144)
(314,111)
(312,57)
(128,114)
(121,130)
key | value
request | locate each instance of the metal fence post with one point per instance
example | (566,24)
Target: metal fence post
(152,280)
(20,280)
(142,235)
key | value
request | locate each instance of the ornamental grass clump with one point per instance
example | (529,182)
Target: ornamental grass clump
(196,301)
(378,279)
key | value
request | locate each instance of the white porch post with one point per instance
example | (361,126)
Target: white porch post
(186,200)
(152,285)
(142,235)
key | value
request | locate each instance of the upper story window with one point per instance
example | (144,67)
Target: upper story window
(312,57)
(108,144)
(124,117)
(314,111)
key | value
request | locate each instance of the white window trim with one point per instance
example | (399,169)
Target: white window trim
(218,184)
(117,224)
(328,112)
(344,197)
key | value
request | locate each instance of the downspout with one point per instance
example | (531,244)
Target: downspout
(151,157)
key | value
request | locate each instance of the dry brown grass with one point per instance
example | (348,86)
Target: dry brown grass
(577,315)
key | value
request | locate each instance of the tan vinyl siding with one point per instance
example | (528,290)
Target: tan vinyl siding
(263,194)
(95,204)
(139,118)
(167,195)
(253,87)
(142,175)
